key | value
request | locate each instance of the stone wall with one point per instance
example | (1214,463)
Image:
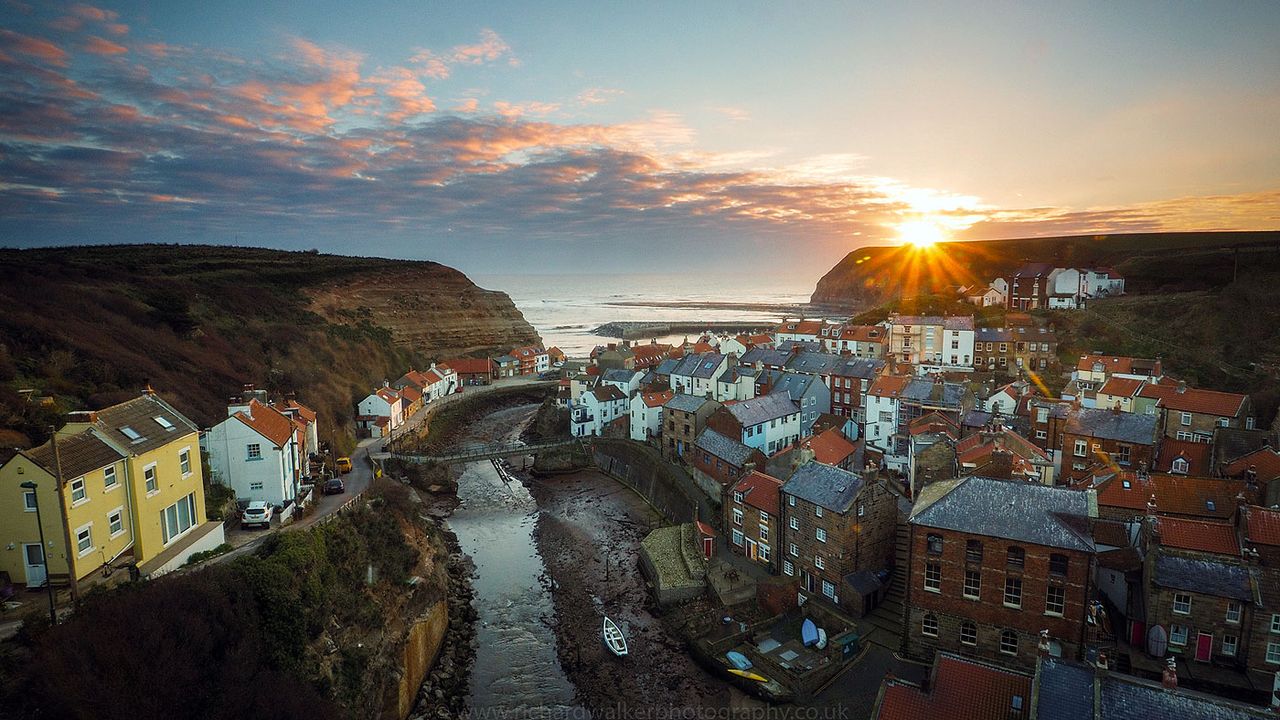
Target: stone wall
(422,645)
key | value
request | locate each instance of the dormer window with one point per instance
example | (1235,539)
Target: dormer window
(1181,466)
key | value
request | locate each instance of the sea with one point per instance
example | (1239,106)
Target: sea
(566,308)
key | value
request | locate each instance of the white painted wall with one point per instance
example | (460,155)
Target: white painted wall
(268,478)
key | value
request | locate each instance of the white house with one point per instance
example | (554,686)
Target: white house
(735,383)
(729,345)
(1004,401)
(799,330)
(646,414)
(305,415)
(628,381)
(256,452)
(441,380)
(696,374)
(594,410)
(381,412)
(769,423)
(932,340)
(882,402)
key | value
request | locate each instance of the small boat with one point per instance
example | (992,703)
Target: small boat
(822,638)
(738,660)
(614,639)
(749,675)
(809,633)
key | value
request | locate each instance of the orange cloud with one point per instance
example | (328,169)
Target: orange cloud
(468,105)
(38,48)
(438,66)
(89,12)
(515,110)
(99,46)
(407,94)
(596,96)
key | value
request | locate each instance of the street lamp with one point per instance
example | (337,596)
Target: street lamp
(44,552)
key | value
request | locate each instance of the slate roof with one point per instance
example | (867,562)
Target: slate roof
(727,449)
(140,415)
(1008,509)
(1207,577)
(795,385)
(685,403)
(763,409)
(1063,691)
(764,356)
(1066,691)
(1003,335)
(961,689)
(78,454)
(1110,425)
(925,390)
(976,418)
(619,375)
(787,347)
(828,487)
(666,366)
(862,369)
(813,363)
(608,393)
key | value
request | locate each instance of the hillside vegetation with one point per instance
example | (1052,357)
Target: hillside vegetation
(93,325)
(869,276)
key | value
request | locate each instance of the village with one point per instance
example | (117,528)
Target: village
(954,499)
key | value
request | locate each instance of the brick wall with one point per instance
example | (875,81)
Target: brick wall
(1208,614)
(750,529)
(1137,454)
(988,612)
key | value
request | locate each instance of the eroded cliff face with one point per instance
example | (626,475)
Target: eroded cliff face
(429,309)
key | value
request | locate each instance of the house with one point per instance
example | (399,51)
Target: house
(1260,532)
(533,359)
(300,413)
(985,581)
(720,461)
(752,517)
(505,366)
(595,409)
(441,380)
(809,394)
(628,381)
(380,412)
(1191,414)
(1126,440)
(256,452)
(993,349)
(882,401)
(1093,370)
(836,525)
(866,342)
(616,356)
(930,340)
(1004,401)
(684,417)
(1184,457)
(804,330)
(983,690)
(922,396)
(472,371)
(161,495)
(770,423)
(735,383)
(1127,495)
(1029,286)
(991,295)
(646,414)
(830,447)
(1004,454)
(412,388)
(696,374)
(556,356)
(645,357)
(1047,419)
(848,381)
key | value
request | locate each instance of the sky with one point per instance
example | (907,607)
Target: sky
(587,137)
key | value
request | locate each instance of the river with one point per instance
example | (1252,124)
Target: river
(516,670)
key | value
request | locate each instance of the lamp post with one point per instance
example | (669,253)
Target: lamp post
(44,551)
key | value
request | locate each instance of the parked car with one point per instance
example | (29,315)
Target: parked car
(334,486)
(344,465)
(257,514)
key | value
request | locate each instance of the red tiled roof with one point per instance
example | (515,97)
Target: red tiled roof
(657,399)
(1120,387)
(1110,363)
(267,422)
(1210,537)
(1209,402)
(386,393)
(1195,453)
(933,422)
(889,385)
(961,690)
(760,491)
(410,393)
(1175,494)
(802,327)
(1111,532)
(863,333)
(304,412)
(1262,525)
(1264,460)
(830,447)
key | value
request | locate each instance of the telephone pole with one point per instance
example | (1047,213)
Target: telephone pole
(62,513)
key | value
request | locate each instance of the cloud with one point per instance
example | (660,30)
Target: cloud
(33,47)
(734,114)
(98,46)
(439,65)
(596,96)
(515,110)
(467,105)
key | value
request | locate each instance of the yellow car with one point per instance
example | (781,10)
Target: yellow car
(344,465)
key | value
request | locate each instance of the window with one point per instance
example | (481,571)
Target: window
(1181,466)
(737,537)
(972,583)
(1055,600)
(1273,653)
(764,516)
(929,625)
(1182,603)
(84,539)
(1041,435)
(131,434)
(794,550)
(817,511)
(1013,592)
(163,422)
(829,589)
(78,493)
(821,534)
(149,474)
(737,497)
(1008,642)
(109,479)
(737,516)
(793,522)
(1275,623)
(115,521)
(253,451)
(788,568)
(1186,418)
(1016,557)
(255,486)
(935,544)
(762,552)
(819,563)
(791,500)
(29,501)
(1082,447)
(1233,612)
(933,577)
(178,518)
(1058,564)
(764,531)
(968,633)
(973,551)
(184,461)
(1177,634)
(1123,454)
(1229,644)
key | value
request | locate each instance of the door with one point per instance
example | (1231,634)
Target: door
(1204,647)
(33,556)
(751,548)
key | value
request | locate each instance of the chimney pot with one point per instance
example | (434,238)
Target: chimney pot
(1170,676)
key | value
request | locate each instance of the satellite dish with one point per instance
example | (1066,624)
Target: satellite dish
(1157,641)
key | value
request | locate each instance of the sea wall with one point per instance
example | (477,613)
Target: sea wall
(421,648)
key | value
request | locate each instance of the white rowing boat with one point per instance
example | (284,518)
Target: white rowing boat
(614,639)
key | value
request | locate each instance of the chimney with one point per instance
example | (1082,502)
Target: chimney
(1182,387)
(1251,477)
(1170,676)
(1101,665)
(148,390)
(1042,648)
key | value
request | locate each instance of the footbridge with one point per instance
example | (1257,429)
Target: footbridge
(492,451)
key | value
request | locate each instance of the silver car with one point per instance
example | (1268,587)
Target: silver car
(258,513)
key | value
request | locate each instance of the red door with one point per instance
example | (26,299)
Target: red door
(1137,634)
(1204,647)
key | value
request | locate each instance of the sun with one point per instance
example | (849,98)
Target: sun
(921,233)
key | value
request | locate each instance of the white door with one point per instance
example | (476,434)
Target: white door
(33,556)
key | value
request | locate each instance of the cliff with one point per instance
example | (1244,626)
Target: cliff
(93,325)
(870,276)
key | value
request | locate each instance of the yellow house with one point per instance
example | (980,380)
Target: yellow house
(164,479)
(93,501)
